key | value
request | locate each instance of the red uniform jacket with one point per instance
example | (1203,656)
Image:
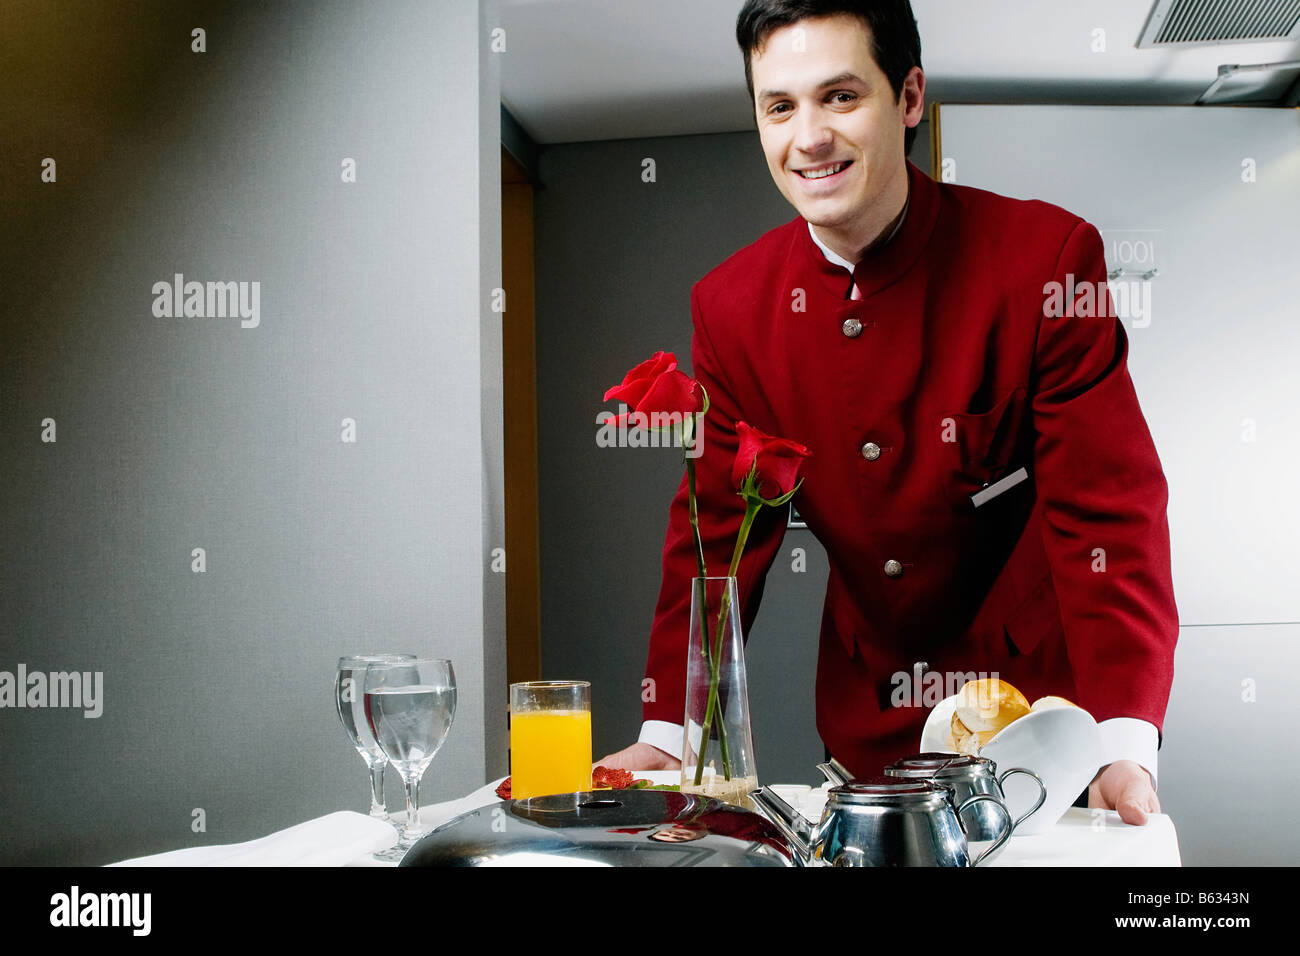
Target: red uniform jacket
(959,376)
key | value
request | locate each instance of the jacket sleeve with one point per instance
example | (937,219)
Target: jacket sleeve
(1104,498)
(720,512)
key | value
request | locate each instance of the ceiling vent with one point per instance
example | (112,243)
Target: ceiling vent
(1207,22)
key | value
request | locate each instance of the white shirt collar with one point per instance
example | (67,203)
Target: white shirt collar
(839,260)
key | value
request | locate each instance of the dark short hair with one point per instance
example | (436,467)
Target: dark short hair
(895,41)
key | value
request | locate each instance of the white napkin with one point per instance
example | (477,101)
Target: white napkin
(331,840)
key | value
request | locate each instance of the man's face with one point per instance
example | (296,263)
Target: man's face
(831,128)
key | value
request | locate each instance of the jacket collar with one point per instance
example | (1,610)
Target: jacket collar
(888,262)
(843,263)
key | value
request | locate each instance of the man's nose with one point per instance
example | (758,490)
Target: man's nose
(813,134)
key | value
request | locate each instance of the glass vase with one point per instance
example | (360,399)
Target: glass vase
(717,744)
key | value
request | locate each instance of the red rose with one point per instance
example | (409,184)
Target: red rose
(638,381)
(775,461)
(657,386)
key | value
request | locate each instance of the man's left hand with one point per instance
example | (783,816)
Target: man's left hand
(1124,786)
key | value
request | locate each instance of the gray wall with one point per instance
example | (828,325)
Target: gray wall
(1214,362)
(616,258)
(183,433)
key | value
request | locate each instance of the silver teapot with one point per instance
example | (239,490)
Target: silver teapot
(884,821)
(968,775)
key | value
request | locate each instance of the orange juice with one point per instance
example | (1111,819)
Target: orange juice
(550,752)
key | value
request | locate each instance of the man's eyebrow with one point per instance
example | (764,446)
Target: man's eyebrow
(845,77)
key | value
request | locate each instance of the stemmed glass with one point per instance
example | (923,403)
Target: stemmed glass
(349,702)
(409,706)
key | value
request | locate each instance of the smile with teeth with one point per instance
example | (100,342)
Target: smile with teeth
(823,172)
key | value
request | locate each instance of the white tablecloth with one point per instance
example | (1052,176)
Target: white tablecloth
(1095,838)
(1081,838)
(331,840)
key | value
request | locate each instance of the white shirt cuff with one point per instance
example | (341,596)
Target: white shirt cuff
(1129,738)
(664,735)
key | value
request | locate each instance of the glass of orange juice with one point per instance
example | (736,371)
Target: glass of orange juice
(550,737)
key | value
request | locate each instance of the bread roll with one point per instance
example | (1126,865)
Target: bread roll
(1047,703)
(964,740)
(985,707)
(990,704)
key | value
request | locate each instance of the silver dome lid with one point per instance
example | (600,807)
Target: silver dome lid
(605,828)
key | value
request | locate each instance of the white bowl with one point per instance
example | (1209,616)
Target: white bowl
(1061,744)
(934,736)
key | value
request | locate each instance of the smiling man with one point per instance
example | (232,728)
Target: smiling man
(983,479)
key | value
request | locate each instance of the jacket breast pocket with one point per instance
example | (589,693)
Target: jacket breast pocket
(983,450)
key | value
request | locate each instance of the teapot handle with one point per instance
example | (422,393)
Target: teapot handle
(1042,797)
(1007,825)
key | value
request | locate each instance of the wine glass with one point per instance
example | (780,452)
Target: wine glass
(349,702)
(409,706)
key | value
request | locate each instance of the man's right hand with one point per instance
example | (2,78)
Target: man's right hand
(640,757)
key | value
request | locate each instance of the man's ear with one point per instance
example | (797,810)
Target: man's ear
(912,97)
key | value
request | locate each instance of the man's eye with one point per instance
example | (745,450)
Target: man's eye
(843,96)
(778,107)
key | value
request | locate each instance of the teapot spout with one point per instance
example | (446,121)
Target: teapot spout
(792,824)
(835,772)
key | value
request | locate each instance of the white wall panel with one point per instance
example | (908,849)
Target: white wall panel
(1214,362)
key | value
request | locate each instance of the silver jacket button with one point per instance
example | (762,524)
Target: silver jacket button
(870,451)
(851,328)
(893,568)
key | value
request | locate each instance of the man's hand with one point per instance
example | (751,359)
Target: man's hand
(640,757)
(1124,786)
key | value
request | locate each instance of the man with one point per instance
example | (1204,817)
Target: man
(904,331)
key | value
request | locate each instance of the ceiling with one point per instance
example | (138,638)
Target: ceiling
(577,70)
